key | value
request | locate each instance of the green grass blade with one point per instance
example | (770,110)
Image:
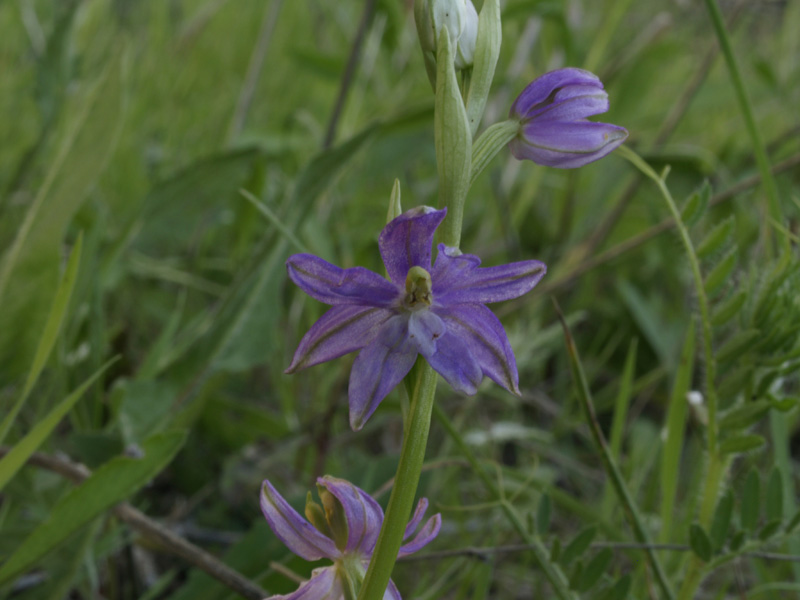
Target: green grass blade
(112,483)
(48,339)
(13,461)
(673,445)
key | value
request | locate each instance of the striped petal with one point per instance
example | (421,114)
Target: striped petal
(481,331)
(364,516)
(406,241)
(341,330)
(378,368)
(293,530)
(426,535)
(458,279)
(332,285)
(454,361)
(416,519)
(323,585)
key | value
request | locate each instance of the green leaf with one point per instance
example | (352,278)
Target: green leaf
(729,309)
(594,570)
(579,544)
(716,238)
(696,206)
(750,501)
(543,515)
(770,529)
(721,522)
(738,345)
(676,422)
(111,484)
(22,450)
(741,443)
(793,522)
(737,541)
(29,271)
(620,590)
(144,409)
(699,542)
(744,416)
(555,549)
(48,338)
(774,500)
(721,272)
(487,51)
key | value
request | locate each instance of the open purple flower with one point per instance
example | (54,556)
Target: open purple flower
(554,131)
(435,311)
(343,529)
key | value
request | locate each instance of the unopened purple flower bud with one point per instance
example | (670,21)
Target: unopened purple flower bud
(552,112)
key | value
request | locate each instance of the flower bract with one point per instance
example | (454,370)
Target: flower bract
(344,528)
(552,112)
(436,310)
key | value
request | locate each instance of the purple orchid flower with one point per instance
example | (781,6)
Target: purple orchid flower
(345,530)
(435,311)
(554,131)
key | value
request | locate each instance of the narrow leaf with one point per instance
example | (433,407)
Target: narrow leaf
(22,450)
(721,272)
(620,589)
(594,570)
(729,309)
(744,416)
(751,500)
(110,484)
(48,339)
(741,443)
(738,345)
(774,500)
(699,542)
(716,238)
(543,515)
(579,544)
(721,522)
(696,206)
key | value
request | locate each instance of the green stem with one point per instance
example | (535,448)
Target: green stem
(610,466)
(553,573)
(773,203)
(401,501)
(702,300)
(489,143)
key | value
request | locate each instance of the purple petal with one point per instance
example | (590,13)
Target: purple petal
(379,367)
(539,91)
(429,531)
(459,280)
(454,361)
(332,285)
(323,585)
(392,593)
(422,506)
(487,341)
(424,328)
(364,515)
(566,145)
(341,330)
(293,530)
(572,104)
(406,241)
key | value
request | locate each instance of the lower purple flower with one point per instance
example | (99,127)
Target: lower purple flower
(437,311)
(344,529)
(553,128)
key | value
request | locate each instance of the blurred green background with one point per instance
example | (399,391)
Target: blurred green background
(136,124)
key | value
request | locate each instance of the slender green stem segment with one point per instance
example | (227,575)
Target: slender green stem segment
(771,190)
(401,502)
(554,574)
(702,300)
(617,481)
(489,143)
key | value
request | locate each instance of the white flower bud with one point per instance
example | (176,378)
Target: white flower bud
(458,17)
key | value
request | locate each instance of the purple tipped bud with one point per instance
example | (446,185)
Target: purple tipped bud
(552,112)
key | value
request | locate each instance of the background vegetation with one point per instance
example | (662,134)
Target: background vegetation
(160,159)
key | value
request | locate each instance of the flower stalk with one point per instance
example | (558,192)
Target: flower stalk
(412,455)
